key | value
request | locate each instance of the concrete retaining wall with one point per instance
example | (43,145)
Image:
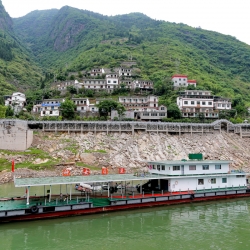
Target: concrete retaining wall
(15,135)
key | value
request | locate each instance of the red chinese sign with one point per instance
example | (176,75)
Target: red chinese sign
(85,171)
(66,172)
(122,170)
(104,171)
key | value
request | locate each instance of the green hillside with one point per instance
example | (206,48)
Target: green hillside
(18,71)
(72,40)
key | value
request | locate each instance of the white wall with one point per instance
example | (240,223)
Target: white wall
(180,184)
(199,168)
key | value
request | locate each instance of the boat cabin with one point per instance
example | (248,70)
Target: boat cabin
(196,174)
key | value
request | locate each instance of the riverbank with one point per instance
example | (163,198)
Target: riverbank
(51,153)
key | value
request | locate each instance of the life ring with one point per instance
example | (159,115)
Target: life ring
(112,190)
(176,183)
(209,180)
(34,209)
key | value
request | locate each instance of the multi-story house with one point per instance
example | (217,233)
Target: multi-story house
(97,72)
(82,104)
(17,101)
(144,108)
(139,102)
(143,84)
(94,84)
(112,81)
(62,86)
(192,103)
(222,103)
(182,81)
(37,107)
(50,107)
(126,72)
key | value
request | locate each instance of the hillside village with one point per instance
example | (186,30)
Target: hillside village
(141,105)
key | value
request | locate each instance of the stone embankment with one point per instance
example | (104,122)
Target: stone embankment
(132,152)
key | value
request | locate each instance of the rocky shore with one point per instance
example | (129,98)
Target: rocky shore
(132,152)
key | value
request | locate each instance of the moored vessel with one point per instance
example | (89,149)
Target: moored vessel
(165,183)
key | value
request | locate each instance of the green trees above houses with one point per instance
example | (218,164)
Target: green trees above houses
(106,106)
(67,109)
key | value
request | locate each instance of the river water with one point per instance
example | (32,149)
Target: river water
(209,225)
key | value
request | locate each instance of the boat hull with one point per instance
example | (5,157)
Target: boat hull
(152,201)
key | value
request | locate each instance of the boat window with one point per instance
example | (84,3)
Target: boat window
(159,167)
(213,181)
(176,168)
(205,167)
(200,181)
(154,166)
(192,167)
(217,166)
(162,167)
(240,176)
(224,180)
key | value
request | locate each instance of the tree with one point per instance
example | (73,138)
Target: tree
(174,111)
(9,111)
(72,90)
(106,106)
(67,109)
(2,111)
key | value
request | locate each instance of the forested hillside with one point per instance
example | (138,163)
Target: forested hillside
(72,40)
(66,40)
(18,71)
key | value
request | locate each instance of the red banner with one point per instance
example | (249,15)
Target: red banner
(85,171)
(105,171)
(13,166)
(122,170)
(66,172)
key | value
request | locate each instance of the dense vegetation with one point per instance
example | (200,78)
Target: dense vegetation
(18,71)
(72,40)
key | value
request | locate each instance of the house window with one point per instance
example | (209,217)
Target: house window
(192,167)
(205,167)
(240,176)
(162,108)
(162,167)
(217,166)
(185,102)
(203,103)
(154,166)
(224,180)
(192,102)
(209,103)
(213,181)
(176,168)
(158,167)
(198,102)
(200,181)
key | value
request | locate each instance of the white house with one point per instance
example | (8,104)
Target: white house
(222,103)
(126,72)
(194,102)
(50,107)
(17,101)
(82,104)
(95,84)
(97,72)
(182,81)
(139,102)
(112,81)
